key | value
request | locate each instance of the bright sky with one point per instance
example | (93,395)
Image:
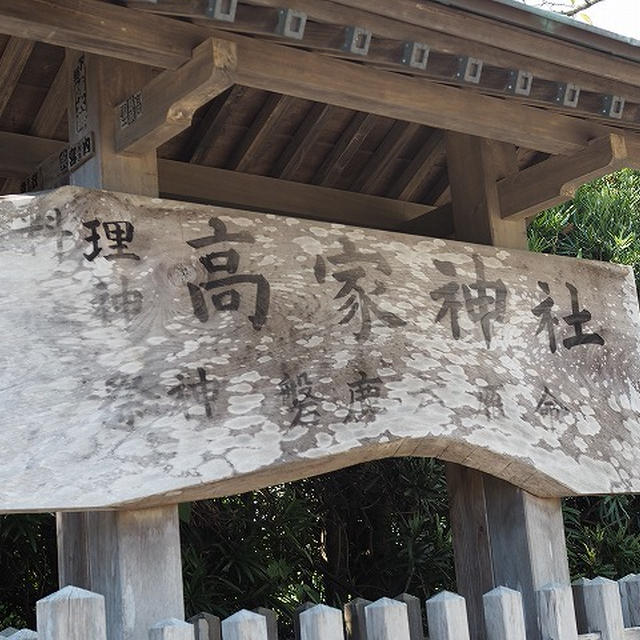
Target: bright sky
(619,16)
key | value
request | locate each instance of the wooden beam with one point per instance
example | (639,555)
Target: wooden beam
(258,133)
(489,32)
(387,29)
(104,29)
(272,67)
(260,193)
(20,155)
(302,142)
(345,149)
(165,106)
(420,168)
(213,124)
(161,41)
(556,180)
(474,165)
(381,161)
(13,60)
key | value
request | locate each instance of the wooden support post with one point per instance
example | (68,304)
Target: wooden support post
(132,558)
(387,619)
(502,536)
(320,623)
(272,622)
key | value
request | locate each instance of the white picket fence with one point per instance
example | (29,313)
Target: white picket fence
(598,609)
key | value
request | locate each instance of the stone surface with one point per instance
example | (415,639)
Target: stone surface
(122,384)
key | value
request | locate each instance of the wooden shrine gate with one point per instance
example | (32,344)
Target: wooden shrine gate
(158,351)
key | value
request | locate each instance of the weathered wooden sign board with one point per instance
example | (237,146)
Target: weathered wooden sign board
(156,351)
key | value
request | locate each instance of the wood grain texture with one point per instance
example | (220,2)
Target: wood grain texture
(387,619)
(168,102)
(245,625)
(171,629)
(149,381)
(321,623)
(556,614)
(71,614)
(447,617)
(14,58)
(504,615)
(132,557)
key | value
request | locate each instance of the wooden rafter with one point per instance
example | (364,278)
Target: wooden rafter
(13,60)
(117,31)
(380,163)
(556,180)
(326,33)
(168,102)
(345,149)
(241,190)
(413,178)
(302,141)
(258,133)
(213,124)
(20,155)
(489,32)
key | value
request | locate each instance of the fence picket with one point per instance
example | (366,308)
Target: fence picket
(603,608)
(556,613)
(577,588)
(245,625)
(447,617)
(414,610)
(171,629)
(206,626)
(387,619)
(629,587)
(272,622)
(71,614)
(321,623)
(504,614)
(354,619)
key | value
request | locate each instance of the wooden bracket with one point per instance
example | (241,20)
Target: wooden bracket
(557,179)
(165,106)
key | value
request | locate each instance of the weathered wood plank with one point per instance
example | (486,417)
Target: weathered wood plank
(414,611)
(629,587)
(171,629)
(321,623)
(603,611)
(133,558)
(504,616)
(164,107)
(206,626)
(313,346)
(244,625)
(387,619)
(71,614)
(234,189)
(20,155)
(447,617)
(556,613)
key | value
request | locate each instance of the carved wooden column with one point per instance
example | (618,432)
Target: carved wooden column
(131,557)
(502,535)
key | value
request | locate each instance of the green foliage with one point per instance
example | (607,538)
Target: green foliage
(28,566)
(371,530)
(601,223)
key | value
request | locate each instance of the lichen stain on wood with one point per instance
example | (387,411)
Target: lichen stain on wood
(157,351)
